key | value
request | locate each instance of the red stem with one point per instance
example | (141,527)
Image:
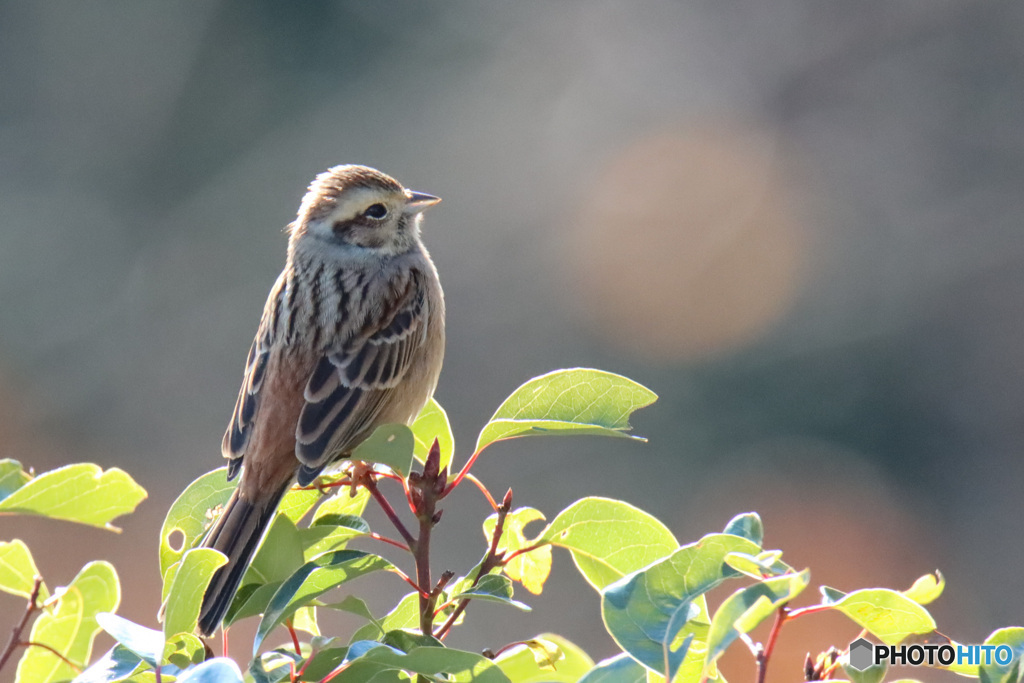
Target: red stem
(32,606)
(769,646)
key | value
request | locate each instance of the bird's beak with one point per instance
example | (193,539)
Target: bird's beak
(417,202)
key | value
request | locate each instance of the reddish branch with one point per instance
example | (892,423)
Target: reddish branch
(32,606)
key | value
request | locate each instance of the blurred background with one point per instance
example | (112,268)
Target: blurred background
(798,222)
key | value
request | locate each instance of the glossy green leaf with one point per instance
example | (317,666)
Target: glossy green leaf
(389,444)
(186,594)
(927,588)
(12,477)
(251,600)
(887,614)
(297,502)
(275,666)
(183,650)
(407,640)
(332,532)
(619,669)
(536,661)
(406,614)
(279,555)
(218,670)
(432,423)
(82,493)
(576,401)
(462,667)
(191,514)
(765,564)
(609,538)
(70,626)
(742,611)
(118,664)
(343,503)
(748,525)
(657,613)
(145,642)
(531,568)
(492,588)
(312,580)
(1009,672)
(18,570)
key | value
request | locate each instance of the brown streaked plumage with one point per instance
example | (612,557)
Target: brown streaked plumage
(352,337)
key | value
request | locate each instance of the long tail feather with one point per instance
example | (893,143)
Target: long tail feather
(237,534)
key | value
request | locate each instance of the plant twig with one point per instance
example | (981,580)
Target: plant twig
(765,654)
(32,606)
(371,486)
(52,651)
(492,559)
(483,489)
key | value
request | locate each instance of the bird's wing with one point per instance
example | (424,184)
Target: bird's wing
(352,382)
(242,419)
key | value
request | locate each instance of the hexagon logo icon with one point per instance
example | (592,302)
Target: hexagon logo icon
(861,654)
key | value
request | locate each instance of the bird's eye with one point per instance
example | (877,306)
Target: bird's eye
(376,211)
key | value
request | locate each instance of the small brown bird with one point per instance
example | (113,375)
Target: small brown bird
(352,337)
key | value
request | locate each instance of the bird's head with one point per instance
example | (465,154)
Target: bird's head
(358,206)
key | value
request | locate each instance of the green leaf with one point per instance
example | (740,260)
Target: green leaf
(391,445)
(183,650)
(619,669)
(331,532)
(432,423)
(82,493)
(577,401)
(116,665)
(147,643)
(463,667)
(874,673)
(537,661)
(70,626)
(18,570)
(12,477)
(764,564)
(279,555)
(742,611)
(492,588)
(927,588)
(297,502)
(748,525)
(993,672)
(887,614)
(312,580)
(186,594)
(406,640)
(609,538)
(343,503)
(406,614)
(531,568)
(250,600)
(191,514)
(218,670)
(657,613)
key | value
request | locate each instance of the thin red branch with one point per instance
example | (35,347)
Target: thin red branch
(371,486)
(462,473)
(295,636)
(483,490)
(31,607)
(48,648)
(765,655)
(384,539)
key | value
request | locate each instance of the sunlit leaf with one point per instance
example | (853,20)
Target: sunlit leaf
(343,503)
(18,570)
(492,588)
(742,611)
(462,667)
(183,650)
(531,568)
(887,614)
(191,514)
(748,525)
(764,564)
(331,532)
(432,423)
(576,401)
(406,614)
(656,614)
(389,444)
(82,493)
(312,580)
(145,642)
(994,672)
(547,658)
(619,669)
(927,588)
(609,538)
(70,626)
(218,670)
(116,665)
(186,594)
(12,477)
